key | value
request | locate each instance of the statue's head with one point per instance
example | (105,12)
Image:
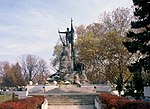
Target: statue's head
(67,29)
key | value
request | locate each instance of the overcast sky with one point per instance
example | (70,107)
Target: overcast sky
(31,26)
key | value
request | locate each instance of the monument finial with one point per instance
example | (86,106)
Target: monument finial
(72,30)
(71,20)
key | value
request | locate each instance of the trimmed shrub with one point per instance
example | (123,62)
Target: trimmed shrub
(116,102)
(27,103)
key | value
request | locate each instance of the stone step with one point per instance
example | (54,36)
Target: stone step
(71,107)
(73,99)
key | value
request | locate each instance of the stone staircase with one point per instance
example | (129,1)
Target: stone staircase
(71,99)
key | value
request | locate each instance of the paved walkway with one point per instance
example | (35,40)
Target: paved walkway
(71,107)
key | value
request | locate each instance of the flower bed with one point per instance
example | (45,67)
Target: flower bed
(113,101)
(27,103)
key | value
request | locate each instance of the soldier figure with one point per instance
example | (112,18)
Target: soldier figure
(68,63)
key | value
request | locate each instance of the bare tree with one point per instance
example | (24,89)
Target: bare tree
(32,66)
(42,72)
(118,20)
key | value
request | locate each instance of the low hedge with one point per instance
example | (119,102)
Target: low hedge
(116,102)
(34,102)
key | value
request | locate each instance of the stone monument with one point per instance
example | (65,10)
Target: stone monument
(69,69)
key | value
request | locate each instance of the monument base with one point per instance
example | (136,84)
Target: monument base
(76,78)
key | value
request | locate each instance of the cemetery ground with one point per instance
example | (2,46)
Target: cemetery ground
(75,97)
(60,97)
(4,97)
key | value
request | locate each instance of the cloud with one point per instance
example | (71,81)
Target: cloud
(27,26)
(33,36)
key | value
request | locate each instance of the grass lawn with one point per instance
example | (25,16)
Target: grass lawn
(5,98)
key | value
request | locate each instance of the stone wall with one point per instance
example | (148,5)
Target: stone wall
(45,104)
(40,88)
(147,91)
(97,88)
